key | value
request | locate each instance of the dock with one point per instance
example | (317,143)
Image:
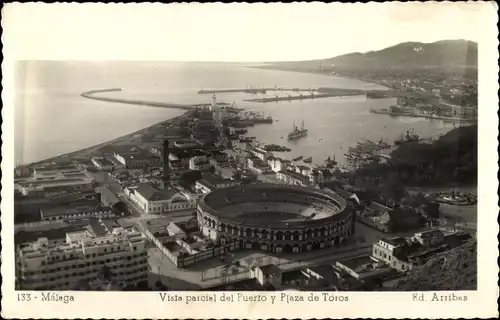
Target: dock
(90,95)
(255,90)
(302,97)
(421,115)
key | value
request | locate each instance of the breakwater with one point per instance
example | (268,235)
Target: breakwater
(421,115)
(301,97)
(254,90)
(91,95)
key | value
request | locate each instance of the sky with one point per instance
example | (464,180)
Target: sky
(235,32)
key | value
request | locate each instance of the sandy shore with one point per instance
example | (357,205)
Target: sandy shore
(127,139)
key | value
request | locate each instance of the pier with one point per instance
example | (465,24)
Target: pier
(421,115)
(90,95)
(302,97)
(254,90)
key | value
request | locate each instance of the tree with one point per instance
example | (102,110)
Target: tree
(431,210)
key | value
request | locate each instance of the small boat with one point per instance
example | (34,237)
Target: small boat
(308,160)
(298,158)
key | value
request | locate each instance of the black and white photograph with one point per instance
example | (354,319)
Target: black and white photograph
(274,148)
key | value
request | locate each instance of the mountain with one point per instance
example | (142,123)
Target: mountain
(447,54)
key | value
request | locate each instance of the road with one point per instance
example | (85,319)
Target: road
(208,273)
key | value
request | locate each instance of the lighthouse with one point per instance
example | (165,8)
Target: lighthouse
(216,113)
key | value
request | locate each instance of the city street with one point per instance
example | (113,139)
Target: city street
(209,273)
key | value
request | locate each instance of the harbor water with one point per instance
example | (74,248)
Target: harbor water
(51,118)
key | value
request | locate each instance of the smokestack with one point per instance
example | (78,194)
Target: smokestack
(166,165)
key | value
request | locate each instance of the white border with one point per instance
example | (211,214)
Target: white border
(61,45)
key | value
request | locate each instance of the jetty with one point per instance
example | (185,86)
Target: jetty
(91,95)
(255,90)
(300,97)
(421,115)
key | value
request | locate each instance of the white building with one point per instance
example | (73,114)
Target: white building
(267,274)
(152,200)
(386,250)
(199,162)
(44,266)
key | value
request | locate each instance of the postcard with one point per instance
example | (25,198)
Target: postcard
(302,160)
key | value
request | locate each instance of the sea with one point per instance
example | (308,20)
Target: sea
(51,118)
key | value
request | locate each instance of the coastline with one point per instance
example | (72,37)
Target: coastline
(86,152)
(320,73)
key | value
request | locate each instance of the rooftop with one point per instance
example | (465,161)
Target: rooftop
(183,153)
(77,235)
(22,236)
(56,167)
(364,263)
(271,269)
(136,153)
(106,192)
(242,285)
(213,180)
(150,193)
(75,207)
(296,176)
(396,241)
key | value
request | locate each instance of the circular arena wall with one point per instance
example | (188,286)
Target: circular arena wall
(275,218)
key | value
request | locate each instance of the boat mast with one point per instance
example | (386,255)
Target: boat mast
(302,124)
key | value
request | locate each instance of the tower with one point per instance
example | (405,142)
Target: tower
(216,114)
(165,182)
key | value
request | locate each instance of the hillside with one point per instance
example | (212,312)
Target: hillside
(450,159)
(453,270)
(447,54)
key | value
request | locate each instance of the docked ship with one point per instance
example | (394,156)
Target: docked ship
(298,158)
(308,160)
(240,131)
(262,119)
(410,137)
(246,139)
(297,133)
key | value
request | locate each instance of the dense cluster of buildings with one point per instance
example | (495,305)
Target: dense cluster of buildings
(390,260)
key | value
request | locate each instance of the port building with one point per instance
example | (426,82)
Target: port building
(276,218)
(55,180)
(83,208)
(65,265)
(153,200)
(133,157)
(210,182)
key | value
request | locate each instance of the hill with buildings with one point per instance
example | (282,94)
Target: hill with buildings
(452,158)
(447,54)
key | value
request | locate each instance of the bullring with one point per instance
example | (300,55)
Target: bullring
(276,218)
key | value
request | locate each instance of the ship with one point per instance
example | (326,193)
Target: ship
(330,162)
(247,139)
(410,137)
(257,118)
(298,158)
(308,160)
(240,131)
(297,133)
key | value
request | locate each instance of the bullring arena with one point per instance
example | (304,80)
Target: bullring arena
(276,218)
